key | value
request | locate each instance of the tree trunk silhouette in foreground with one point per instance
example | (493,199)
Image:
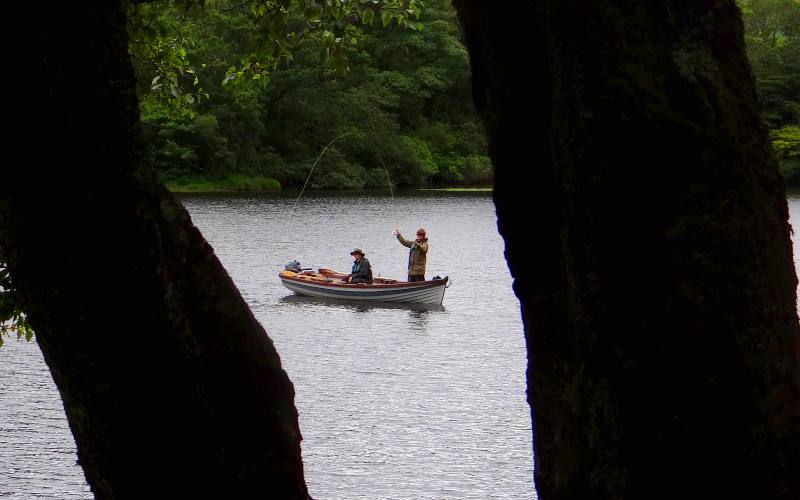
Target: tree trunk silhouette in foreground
(645,223)
(171,387)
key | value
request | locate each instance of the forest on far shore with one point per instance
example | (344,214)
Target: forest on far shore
(232,102)
(394,97)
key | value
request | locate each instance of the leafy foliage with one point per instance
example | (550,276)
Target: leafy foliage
(12,319)
(786,142)
(279,80)
(772,33)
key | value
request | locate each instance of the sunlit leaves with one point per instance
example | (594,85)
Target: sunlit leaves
(368,16)
(786,142)
(12,319)
(161,41)
(250,70)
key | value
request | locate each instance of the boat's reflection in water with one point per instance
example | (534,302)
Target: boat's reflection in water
(358,305)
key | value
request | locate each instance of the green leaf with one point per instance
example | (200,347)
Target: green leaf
(386,17)
(368,16)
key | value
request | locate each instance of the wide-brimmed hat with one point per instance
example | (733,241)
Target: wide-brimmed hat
(357,250)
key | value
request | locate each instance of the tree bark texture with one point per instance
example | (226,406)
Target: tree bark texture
(171,387)
(646,228)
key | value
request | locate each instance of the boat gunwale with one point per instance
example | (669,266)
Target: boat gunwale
(368,286)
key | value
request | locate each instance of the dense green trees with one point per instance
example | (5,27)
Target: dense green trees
(399,93)
(773,47)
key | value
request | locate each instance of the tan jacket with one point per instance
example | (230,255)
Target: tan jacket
(417,256)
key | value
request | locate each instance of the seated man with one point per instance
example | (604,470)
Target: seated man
(362,272)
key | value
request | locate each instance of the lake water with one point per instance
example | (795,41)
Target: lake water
(395,402)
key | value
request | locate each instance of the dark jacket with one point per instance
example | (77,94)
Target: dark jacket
(362,269)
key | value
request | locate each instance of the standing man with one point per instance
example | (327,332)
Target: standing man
(417,255)
(361,272)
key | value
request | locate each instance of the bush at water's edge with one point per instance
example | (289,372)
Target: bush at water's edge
(197,184)
(230,183)
(786,143)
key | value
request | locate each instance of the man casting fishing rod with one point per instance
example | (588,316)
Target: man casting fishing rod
(417,256)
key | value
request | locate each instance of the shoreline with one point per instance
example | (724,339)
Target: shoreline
(243,186)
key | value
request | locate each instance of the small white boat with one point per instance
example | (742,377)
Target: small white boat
(326,283)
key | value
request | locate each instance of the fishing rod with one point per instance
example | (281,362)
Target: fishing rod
(315,164)
(391,191)
(294,264)
(380,157)
(294,206)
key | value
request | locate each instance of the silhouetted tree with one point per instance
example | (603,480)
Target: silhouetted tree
(646,227)
(171,387)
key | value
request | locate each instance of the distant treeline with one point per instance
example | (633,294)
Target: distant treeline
(394,99)
(402,106)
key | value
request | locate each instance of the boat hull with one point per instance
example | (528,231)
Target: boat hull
(419,292)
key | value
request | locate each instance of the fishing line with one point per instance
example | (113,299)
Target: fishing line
(388,180)
(314,165)
(292,211)
(308,178)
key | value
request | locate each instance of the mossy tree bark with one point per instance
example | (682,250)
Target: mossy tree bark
(170,385)
(646,228)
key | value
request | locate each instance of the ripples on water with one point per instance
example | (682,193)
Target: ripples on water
(37,451)
(395,402)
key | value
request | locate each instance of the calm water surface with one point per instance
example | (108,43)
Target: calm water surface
(395,402)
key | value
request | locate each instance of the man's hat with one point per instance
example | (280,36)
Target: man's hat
(357,250)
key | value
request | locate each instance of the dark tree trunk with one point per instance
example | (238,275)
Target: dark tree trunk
(171,387)
(645,223)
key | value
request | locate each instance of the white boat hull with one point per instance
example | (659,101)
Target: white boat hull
(419,292)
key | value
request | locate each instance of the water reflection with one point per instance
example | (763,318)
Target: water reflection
(418,319)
